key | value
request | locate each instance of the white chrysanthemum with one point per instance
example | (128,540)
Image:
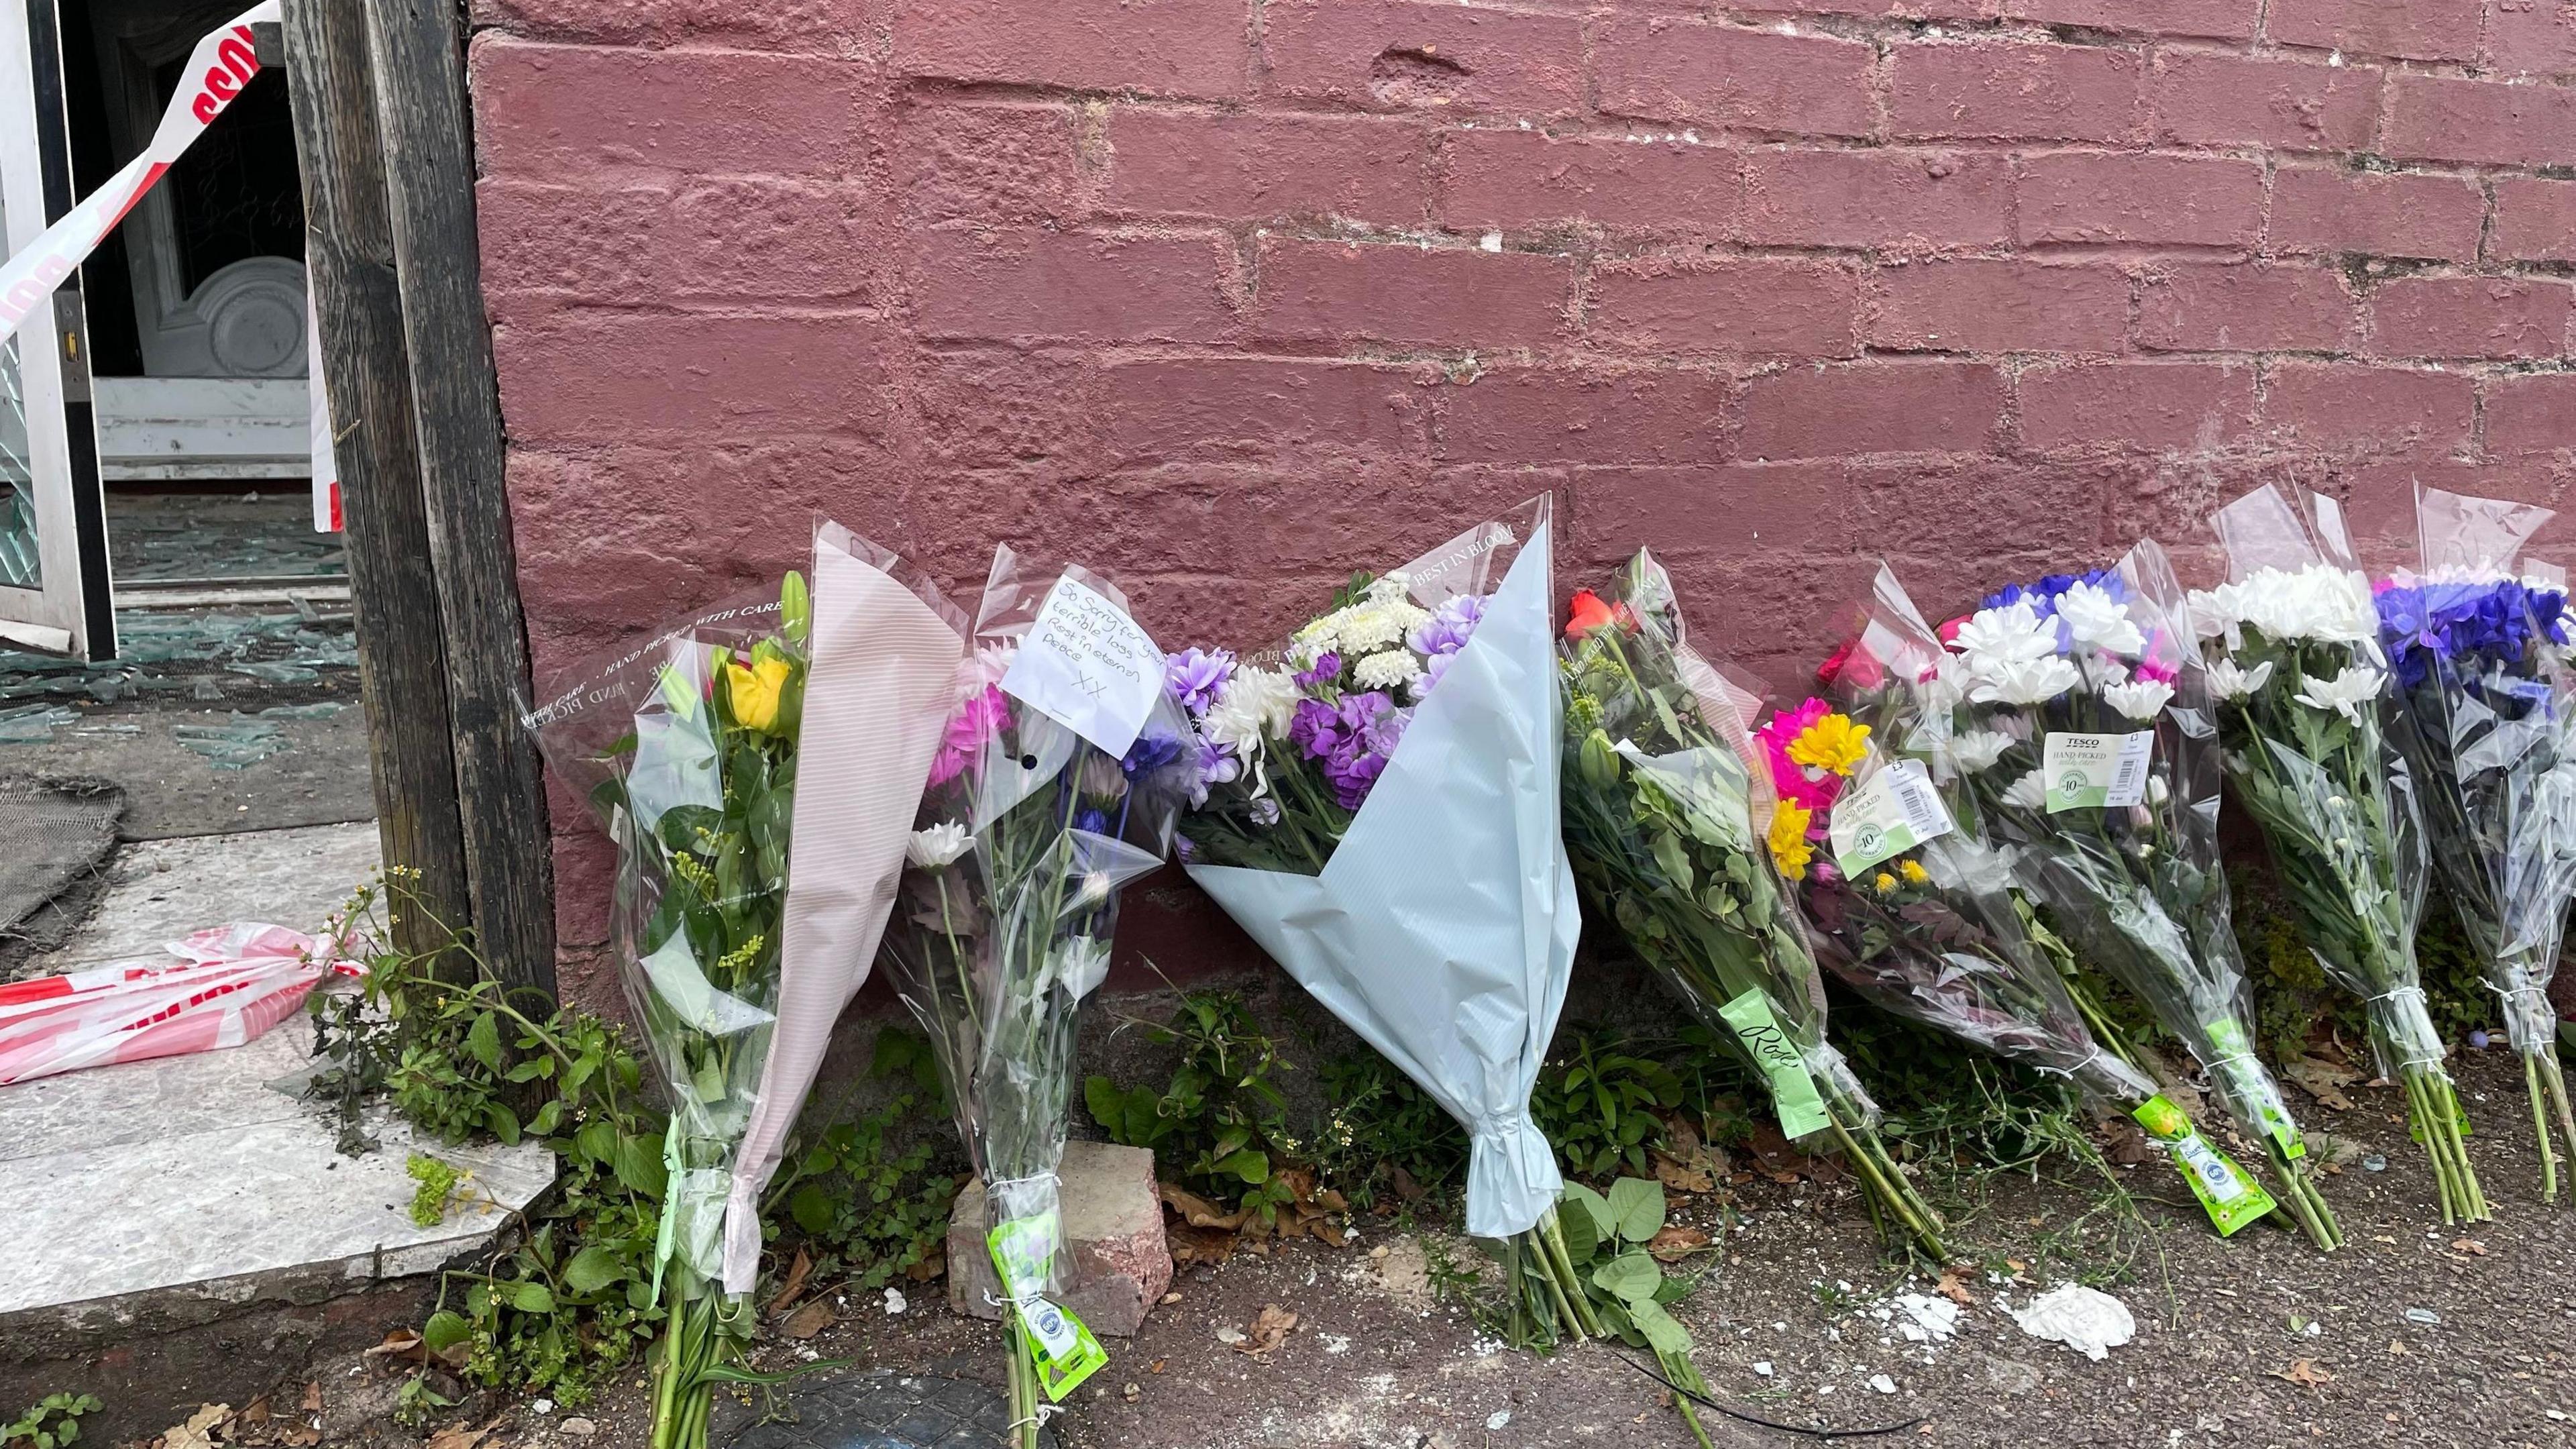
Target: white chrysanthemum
(2030,792)
(1977,750)
(1995,637)
(1368,627)
(2320,602)
(1255,705)
(2229,680)
(2093,617)
(2139,699)
(938,845)
(1387,669)
(2356,686)
(2024,681)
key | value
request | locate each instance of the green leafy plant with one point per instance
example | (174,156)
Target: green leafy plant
(1218,1125)
(1601,1102)
(567,1300)
(51,1422)
(1380,1130)
(438,1182)
(869,1204)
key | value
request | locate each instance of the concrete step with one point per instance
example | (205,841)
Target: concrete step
(188,1193)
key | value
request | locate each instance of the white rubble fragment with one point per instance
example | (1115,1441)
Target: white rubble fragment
(2084,1319)
(1882,1383)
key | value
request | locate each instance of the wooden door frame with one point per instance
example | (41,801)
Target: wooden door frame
(385,148)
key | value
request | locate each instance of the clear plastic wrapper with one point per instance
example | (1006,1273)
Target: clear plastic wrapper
(2486,718)
(1666,800)
(2082,739)
(1912,905)
(735,958)
(2291,642)
(1026,834)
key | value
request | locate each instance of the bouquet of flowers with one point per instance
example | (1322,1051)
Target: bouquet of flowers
(1667,798)
(2486,706)
(1913,904)
(1380,812)
(807,719)
(2081,736)
(1056,783)
(2292,641)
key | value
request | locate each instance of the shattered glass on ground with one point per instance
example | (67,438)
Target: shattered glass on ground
(157,536)
(175,651)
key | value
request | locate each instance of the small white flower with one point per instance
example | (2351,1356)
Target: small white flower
(938,845)
(2093,617)
(2139,699)
(2024,681)
(1081,964)
(1094,889)
(992,661)
(1978,750)
(2030,792)
(1387,669)
(2345,693)
(2228,680)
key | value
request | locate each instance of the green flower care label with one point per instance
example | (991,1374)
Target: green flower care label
(2231,1195)
(1065,1350)
(1886,815)
(1793,1092)
(2087,772)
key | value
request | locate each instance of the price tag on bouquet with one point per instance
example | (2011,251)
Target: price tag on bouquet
(2086,772)
(2230,1195)
(1886,815)
(1088,667)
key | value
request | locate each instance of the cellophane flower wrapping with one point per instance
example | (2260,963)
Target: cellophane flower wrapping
(1381,814)
(1026,834)
(2081,737)
(2292,646)
(1667,800)
(735,955)
(2477,643)
(1912,905)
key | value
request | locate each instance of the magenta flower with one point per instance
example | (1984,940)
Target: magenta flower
(986,713)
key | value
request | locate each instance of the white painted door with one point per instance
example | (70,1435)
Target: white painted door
(53,589)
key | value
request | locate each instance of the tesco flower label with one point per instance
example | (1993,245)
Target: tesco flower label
(1887,815)
(2090,772)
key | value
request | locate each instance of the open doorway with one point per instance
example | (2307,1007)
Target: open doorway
(196,316)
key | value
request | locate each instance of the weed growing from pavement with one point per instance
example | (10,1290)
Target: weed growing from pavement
(565,1300)
(863,1191)
(51,1422)
(1217,1126)
(1382,1132)
(1602,1102)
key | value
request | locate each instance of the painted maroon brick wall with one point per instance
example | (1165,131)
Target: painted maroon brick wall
(1228,296)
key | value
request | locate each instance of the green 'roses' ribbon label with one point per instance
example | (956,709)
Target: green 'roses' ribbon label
(1793,1092)
(1064,1349)
(2231,1195)
(1886,815)
(2086,772)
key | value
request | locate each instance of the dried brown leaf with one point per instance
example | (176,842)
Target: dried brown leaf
(2307,1373)
(792,1286)
(809,1320)
(1672,1243)
(2322,1080)
(1954,1286)
(1270,1328)
(1197,1211)
(198,1431)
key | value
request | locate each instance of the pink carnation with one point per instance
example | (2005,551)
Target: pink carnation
(985,713)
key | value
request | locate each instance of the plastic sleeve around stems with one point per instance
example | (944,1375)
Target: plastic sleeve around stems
(1667,802)
(1005,919)
(2489,735)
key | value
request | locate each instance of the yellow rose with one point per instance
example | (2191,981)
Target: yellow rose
(754,692)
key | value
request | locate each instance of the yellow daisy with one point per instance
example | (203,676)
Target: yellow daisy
(1913,871)
(1832,743)
(1790,848)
